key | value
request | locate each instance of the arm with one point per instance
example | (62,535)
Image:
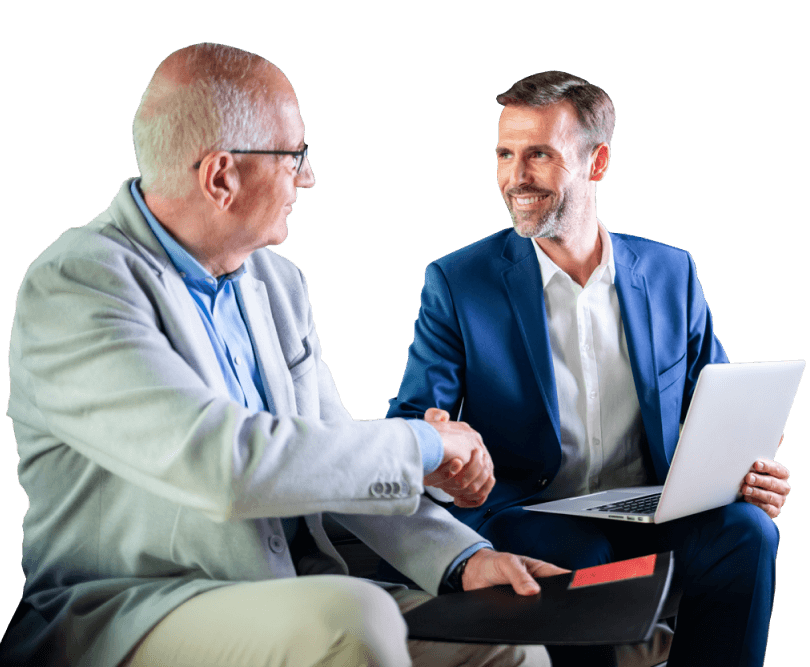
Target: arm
(105,362)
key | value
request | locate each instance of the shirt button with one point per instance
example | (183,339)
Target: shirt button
(586,347)
(592,394)
(596,442)
(276,544)
(237,360)
(182,274)
(211,281)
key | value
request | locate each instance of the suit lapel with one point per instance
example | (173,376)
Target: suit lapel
(524,286)
(631,288)
(272,364)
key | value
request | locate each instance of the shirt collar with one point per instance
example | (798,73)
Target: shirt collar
(548,268)
(190,270)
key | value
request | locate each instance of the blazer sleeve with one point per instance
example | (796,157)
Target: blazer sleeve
(92,369)
(702,345)
(434,374)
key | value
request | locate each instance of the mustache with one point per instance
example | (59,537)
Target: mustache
(524,191)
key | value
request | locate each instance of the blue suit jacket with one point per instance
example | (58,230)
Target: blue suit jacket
(481,351)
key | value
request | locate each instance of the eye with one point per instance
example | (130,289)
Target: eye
(504,155)
(539,154)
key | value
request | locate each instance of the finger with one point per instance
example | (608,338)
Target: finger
(477,498)
(539,568)
(437,415)
(763,496)
(768,483)
(470,472)
(444,473)
(517,574)
(772,468)
(771,510)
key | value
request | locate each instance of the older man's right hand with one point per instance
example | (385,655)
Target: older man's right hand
(466,471)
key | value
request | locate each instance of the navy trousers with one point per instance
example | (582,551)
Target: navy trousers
(725,565)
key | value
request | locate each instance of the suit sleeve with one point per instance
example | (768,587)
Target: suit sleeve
(434,375)
(702,346)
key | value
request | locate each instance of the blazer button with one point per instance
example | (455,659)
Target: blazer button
(396,489)
(488,512)
(277,544)
(543,482)
(377,489)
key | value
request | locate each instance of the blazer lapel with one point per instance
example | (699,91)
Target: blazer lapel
(272,364)
(524,286)
(631,288)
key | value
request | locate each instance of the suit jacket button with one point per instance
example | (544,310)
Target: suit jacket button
(396,489)
(488,512)
(277,544)
(544,482)
(377,489)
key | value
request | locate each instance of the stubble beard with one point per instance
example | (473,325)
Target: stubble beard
(552,224)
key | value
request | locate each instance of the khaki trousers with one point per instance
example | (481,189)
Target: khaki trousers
(318,621)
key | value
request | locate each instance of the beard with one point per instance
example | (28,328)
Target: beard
(557,221)
(550,224)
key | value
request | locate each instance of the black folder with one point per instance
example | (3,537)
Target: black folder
(617,603)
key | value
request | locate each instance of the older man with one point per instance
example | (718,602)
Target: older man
(179,434)
(575,352)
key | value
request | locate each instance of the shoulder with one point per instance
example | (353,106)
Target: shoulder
(645,255)
(481,256)
(275,271)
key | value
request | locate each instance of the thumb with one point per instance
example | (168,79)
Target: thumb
(436,415)
(521,580)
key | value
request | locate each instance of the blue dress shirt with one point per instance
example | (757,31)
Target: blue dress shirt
(219,304)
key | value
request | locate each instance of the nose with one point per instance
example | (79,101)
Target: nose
(518,174)
(306,177)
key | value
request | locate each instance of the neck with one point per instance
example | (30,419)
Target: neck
(578,254)
(197,233)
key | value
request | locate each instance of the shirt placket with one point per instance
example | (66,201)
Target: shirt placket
(593,421)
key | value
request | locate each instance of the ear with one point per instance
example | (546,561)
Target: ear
(599,161)
(219,179)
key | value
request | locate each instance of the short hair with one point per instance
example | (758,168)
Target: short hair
(179,123)
(594,108)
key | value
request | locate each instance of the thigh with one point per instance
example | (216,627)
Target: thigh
(318,620)
(567,541)
(450,654)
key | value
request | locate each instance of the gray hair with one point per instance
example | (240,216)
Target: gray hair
(219,107)
(594,108)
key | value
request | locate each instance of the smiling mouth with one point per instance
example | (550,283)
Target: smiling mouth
(529,200)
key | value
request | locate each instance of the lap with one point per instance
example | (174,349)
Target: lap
(576,542)
(322,621)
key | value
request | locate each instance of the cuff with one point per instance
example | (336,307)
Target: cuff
(430,444)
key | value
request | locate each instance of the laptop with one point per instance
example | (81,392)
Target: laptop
(737,415)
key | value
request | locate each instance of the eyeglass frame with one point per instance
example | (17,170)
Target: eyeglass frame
(301,155)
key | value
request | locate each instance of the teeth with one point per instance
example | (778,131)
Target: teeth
(525,201)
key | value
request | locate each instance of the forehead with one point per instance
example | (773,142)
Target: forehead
(553,125)
(288,118)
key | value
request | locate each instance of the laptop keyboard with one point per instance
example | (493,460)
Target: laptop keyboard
(641,505)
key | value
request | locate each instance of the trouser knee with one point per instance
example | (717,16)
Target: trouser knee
(367,626)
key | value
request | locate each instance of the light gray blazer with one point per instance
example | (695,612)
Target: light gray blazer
(147,484)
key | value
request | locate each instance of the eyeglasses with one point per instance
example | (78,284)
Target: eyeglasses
(298,155)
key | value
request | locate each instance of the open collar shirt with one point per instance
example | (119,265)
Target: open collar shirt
(600,416)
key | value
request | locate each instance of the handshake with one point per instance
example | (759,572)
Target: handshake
(466,471)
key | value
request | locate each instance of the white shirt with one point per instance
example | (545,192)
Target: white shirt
(600,417)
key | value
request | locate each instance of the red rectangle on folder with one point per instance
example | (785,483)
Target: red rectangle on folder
(605,574)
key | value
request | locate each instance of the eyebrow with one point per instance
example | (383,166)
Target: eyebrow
(543,148)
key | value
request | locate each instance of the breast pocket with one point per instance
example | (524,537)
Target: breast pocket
(670,393)
(302,363)
(672,374)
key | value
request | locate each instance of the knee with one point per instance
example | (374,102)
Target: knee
(751,529)
(364,621)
